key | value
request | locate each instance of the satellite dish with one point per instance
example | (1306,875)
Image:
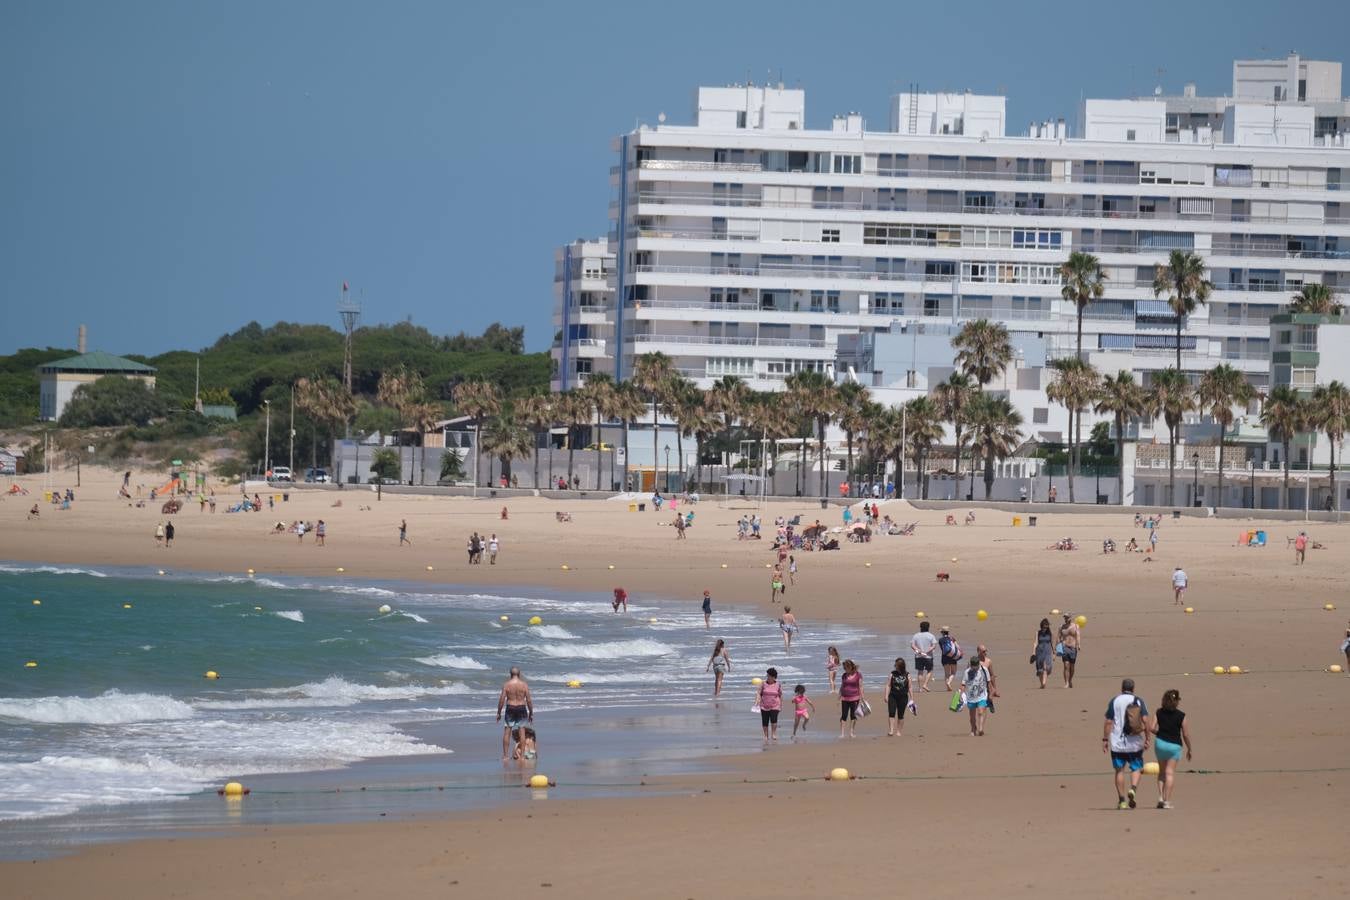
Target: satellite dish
(661,117)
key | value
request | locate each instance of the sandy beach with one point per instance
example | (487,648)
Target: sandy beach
(1025,808)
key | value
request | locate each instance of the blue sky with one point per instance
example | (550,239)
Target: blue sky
(172,170)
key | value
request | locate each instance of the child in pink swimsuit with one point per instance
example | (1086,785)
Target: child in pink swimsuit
(804,707)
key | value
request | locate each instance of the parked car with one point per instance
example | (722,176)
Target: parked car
(317,476)
(281,473)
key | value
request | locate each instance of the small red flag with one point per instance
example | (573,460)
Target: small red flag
(344,287)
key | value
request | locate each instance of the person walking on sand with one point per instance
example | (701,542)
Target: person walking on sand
(1345,648)
(720,663)
(1300,548)
(403,533)
(770,702)
(923,644)
(707,609)
(168,535)
(803,708)
(792,569)
(986,663)
(493,546)
(519,706)
(159,534)
(897,699)
(951,654)
(850,697)
(788,624)
(776,587)
(1178,585)
(1125,736)
(320,532)
(831,665)
(1170,732)
(1070,641)
(975,685)
(1043,655)
(679,527)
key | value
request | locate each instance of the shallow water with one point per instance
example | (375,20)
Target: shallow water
(117,733)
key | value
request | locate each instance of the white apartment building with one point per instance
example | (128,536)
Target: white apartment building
(748,244)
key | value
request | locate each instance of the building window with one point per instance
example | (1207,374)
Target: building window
(1303,378)
(1040,415)
(1129,134)
(829,235)
(847,164)
(832,301)
(741,117)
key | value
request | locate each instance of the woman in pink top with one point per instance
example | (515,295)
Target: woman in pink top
(850,695)
(770,701)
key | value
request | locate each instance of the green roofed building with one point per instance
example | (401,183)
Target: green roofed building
(58,380)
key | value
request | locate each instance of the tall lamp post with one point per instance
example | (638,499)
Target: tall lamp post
(267,440)
(1195,481)
(667,468)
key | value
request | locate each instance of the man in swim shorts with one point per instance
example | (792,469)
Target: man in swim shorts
(1070,640)
(519,707)
(1126,745)
(1178,585)
(923,644)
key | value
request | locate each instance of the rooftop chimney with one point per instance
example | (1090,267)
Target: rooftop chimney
(81,341)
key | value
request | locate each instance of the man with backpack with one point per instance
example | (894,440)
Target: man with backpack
(1125,737)
(951,655)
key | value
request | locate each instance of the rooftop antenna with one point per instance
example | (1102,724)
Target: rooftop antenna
(349,311)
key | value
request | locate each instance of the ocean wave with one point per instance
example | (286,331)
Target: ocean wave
(294,615)
(609,678)
(451,661)
(553,633)
(51,570)
(332,691)
(409,615)
(608,649)
(109,708)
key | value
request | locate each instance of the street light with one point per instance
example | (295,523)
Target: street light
(667,468)
(267,440)
(1195,481)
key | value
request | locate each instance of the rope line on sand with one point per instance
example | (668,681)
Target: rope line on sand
(1012,776)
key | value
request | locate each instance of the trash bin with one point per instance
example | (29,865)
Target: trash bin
(632,507)
(824,504)
(1017,520)
(492,492)
(1176,513)
(1031,521)
(1101,499)
(286,497)
(642,507)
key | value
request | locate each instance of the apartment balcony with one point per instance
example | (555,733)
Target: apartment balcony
(696,165)
(723,345)
(589,347)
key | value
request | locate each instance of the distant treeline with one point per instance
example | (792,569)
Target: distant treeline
(253,359)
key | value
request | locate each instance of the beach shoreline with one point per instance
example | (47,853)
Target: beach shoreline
(1034,789)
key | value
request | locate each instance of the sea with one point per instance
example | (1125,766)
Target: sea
(336,699)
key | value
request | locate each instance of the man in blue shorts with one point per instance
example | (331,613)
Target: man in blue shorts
(1125,737)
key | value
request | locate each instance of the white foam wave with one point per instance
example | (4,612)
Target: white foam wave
(608,650)
(553,633)
(608,678)
(332,691)
(414,616)
(109,708)
(294,615)
(451,661)
(51,570)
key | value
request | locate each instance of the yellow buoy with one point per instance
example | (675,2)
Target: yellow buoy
(538,781)
(611,567)
(341,570)
(919,614)
(39,602)
(430,569)
(535,620)
(385,610)
(1151,768)
(1327,606)
(756,681)
(652,620)
(724,565)
(31,664)
(211,675)
(257,609)
(1335,670)
(981,615)
(767,566)
(1054,612)
(867,565)
(566,567)
(126,606)
(505,618)
(839,774)
(953,559)
(1234,670)
(574,683)
(1081,620)
(161,571)
(250,573)
(234,789)
(1220,670)
(1189,610)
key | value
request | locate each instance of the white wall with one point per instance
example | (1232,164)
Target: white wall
(975,115)
(767,108)
(1112,120)
(1268,124)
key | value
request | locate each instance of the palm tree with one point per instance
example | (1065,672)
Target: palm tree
(328,402)
(478,400)
(922,428)
(651,374)
(423,416)
(817,397)
(627,406)
(1331,413)
(572,408)
(598,391)
(1284,413)
(853,400)
(1316,298)
(1124,399)
(728,398)
(685,408)
(1171,397)
(695,418)
(1219,390)
(1074,387)
(1183,280)
(996,427)
(983,350)
(535,412)
(1084,281)
(953,397)
(887,437)
(506,440)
